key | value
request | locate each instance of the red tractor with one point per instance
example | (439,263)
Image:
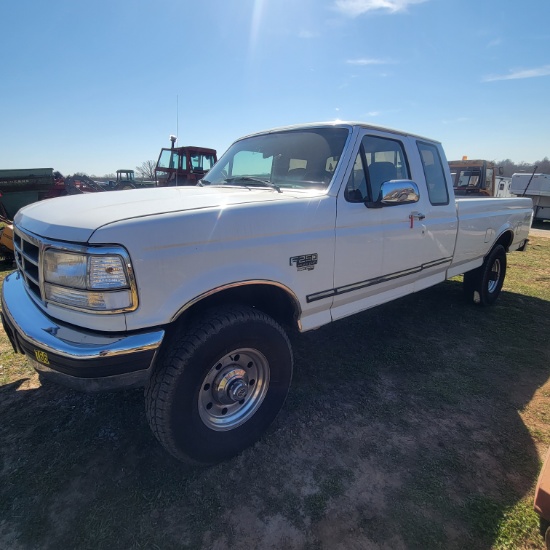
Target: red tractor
(183,165)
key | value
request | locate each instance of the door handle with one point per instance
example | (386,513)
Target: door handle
(415,215)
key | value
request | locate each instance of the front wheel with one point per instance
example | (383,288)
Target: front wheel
(483,285)
(219,385)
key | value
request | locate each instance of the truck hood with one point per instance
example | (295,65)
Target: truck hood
(75,218)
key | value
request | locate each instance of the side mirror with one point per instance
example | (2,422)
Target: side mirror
(396,192)
(500,171)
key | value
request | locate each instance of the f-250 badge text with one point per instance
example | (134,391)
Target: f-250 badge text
(305,262)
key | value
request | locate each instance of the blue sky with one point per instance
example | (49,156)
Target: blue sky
(98,86)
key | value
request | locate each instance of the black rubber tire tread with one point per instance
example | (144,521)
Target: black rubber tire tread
(175,367)
(477,280)
(469,284)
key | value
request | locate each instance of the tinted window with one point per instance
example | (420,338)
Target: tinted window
(435,175)
(383,160)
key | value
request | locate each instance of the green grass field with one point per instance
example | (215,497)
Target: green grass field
(418,424)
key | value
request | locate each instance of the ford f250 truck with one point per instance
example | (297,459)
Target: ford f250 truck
(186,290)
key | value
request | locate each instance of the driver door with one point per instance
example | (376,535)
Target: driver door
(378,250)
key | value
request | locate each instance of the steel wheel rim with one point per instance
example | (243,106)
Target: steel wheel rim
(494,276)
(233,389)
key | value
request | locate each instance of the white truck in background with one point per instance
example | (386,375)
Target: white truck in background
(537,188)
(189,291)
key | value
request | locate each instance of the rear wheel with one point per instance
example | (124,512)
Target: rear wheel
(483,285)
(220,384)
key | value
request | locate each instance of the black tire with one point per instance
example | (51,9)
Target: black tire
(483,285)
(544,527)
(192,400)
(547,538)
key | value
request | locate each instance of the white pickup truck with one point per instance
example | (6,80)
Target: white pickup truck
(186,290)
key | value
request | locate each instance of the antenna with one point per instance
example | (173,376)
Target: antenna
(177,131)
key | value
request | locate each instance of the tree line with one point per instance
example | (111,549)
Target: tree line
(509,167)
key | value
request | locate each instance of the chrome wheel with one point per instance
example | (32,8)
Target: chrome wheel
(484,284)
(494,276)
(234,389)
(220,382)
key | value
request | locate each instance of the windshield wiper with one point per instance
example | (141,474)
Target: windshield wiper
(252,179)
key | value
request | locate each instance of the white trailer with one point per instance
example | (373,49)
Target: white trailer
(537,188)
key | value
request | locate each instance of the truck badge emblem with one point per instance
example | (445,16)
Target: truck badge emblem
(304,262)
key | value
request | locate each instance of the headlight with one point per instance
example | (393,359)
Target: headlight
(65,269)
(89,281)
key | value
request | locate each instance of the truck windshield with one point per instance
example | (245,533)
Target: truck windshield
(304,158)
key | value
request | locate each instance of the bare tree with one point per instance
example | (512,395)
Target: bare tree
(544,165)
(146,170)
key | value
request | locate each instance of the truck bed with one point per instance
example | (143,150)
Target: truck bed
(481,220)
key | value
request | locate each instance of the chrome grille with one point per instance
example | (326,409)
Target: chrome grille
(27,256)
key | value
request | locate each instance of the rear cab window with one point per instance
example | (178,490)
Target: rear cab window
(436,181)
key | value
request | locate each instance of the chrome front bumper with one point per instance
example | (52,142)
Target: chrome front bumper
(78,358)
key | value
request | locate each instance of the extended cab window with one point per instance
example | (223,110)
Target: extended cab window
(435,176)
(379,160)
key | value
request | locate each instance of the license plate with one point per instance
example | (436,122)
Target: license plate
(41,357)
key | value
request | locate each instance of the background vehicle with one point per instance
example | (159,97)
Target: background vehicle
(183,165)
(124,180)
(479,178)
(24,186)
(80,183)
(190,291)
(6,233)
(537,188)
(21,187)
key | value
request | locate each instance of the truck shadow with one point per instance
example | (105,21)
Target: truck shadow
(404,428)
